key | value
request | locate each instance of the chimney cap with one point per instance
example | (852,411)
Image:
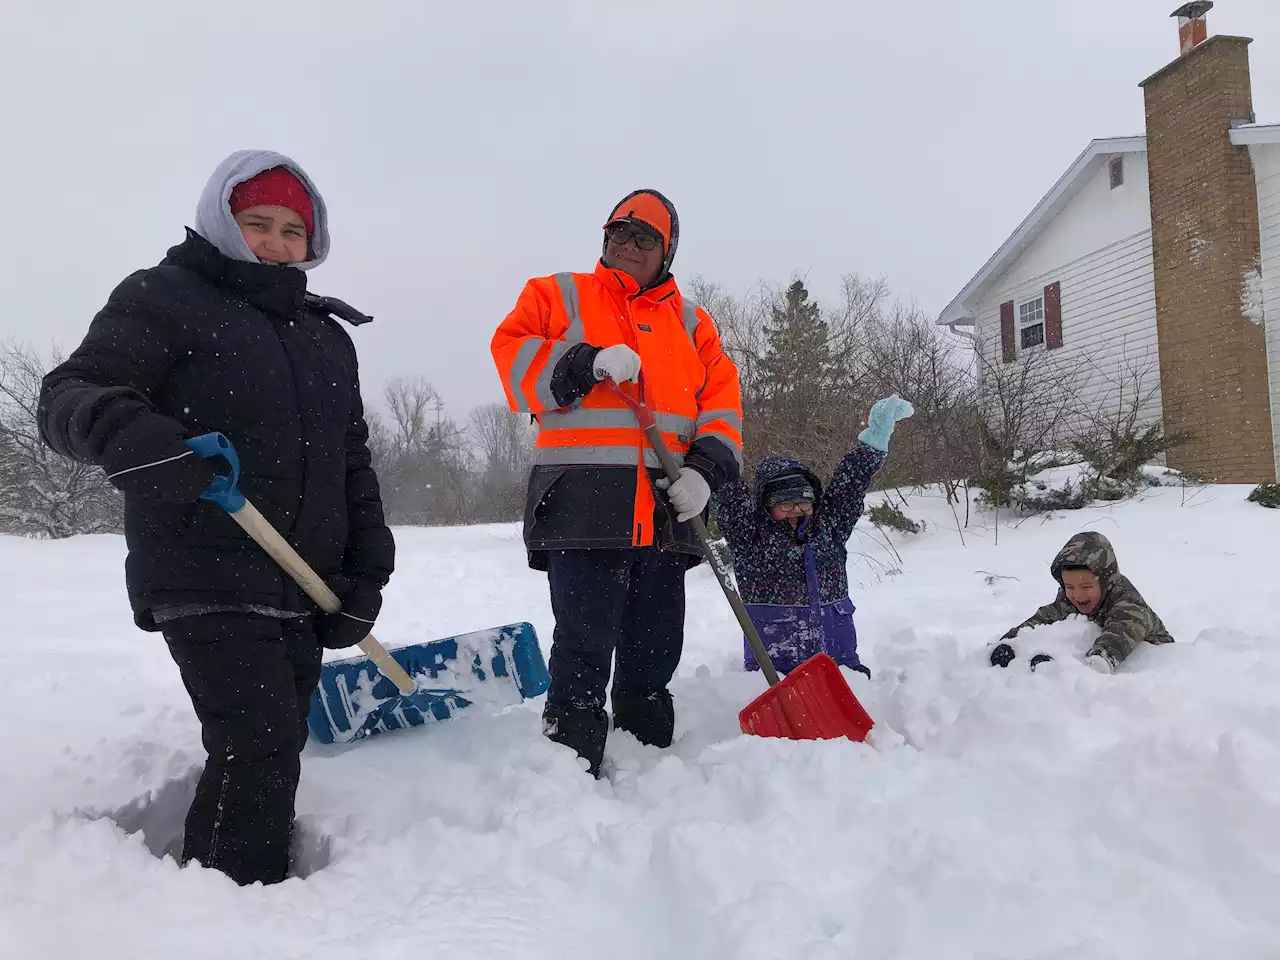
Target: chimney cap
(1194,10)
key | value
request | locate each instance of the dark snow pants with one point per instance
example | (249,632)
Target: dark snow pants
(250,679)
(627,603)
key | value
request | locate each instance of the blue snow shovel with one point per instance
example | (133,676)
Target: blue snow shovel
(360,696)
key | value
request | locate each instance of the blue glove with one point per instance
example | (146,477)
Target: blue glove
(884,414)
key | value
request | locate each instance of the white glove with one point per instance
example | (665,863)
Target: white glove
(617,363)
(689,494)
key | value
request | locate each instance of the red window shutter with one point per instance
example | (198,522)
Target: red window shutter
(1007,346)
(1053,316)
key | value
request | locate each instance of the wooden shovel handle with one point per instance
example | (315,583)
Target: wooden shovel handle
(256,525)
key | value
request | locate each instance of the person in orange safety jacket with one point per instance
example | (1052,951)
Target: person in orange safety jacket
(600,517)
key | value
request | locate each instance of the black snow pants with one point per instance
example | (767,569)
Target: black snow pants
(623,602)
(250,679)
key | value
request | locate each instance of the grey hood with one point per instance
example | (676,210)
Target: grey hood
(215,223)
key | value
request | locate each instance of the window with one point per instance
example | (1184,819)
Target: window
(1031,323)
(1116,169)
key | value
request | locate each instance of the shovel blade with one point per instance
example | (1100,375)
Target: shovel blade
(813,702)
(487,669)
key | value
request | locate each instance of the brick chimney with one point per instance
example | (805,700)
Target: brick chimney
(1206,241)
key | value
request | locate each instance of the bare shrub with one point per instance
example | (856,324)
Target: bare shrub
(42,493)
(1122,434)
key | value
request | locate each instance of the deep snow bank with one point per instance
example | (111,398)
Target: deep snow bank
(996,813)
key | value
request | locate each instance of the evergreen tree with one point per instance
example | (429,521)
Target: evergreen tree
(798,376)
(797,364)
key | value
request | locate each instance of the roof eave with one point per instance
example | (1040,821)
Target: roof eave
(959,311)
(1255,134)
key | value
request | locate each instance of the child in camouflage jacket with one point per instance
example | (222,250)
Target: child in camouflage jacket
(1090,584)
(788,540)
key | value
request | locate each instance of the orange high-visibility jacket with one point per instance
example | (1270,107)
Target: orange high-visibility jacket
(592,481)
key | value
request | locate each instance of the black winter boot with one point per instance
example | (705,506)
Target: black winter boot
(583,729)
(1002,655)
(650,718)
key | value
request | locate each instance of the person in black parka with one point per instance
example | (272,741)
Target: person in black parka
(223,336)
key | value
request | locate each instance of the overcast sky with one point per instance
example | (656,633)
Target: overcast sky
(464,147)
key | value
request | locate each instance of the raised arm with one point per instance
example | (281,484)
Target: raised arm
(846,494)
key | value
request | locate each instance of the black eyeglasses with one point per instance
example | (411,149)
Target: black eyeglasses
(620,233)
(787,506)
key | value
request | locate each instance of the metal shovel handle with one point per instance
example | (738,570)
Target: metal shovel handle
(225,493)
(644,416)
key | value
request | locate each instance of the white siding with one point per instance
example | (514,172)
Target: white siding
(1099,248)
(1095,218)
(1108,325)
(1266,164)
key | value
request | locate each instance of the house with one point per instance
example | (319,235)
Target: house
(1159,253)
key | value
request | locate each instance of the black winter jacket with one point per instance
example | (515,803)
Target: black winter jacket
(201,343)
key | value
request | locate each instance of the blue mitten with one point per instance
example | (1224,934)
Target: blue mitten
(884,414)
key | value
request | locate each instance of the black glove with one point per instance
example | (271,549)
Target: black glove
(1002,655)
(149,460)
(1038,659)
(361,601)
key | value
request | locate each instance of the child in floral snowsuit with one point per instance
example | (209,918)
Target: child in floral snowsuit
(788,539)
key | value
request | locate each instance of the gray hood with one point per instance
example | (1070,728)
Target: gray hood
(215,223)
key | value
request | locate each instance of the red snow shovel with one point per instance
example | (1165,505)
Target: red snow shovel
(814,702)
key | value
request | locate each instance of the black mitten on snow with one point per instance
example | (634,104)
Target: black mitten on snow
(361,601)
(1002,655)
(1038,659)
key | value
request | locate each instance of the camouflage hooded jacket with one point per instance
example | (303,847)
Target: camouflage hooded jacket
(1125,618)
(768,555)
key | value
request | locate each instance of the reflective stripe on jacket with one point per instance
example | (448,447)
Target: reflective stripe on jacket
(689,383)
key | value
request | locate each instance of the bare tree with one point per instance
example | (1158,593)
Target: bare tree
(504,442)
(794,361)
(864,348)
(741,323)
(41,492)
(380,442)
(907,354)
(502,438)
(426,469)
(807,384)
(855,324)
(410,401)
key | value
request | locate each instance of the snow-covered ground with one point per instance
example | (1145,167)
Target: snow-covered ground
(995,813)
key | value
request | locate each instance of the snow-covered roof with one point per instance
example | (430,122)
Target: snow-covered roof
(1249,134)
(959,311)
